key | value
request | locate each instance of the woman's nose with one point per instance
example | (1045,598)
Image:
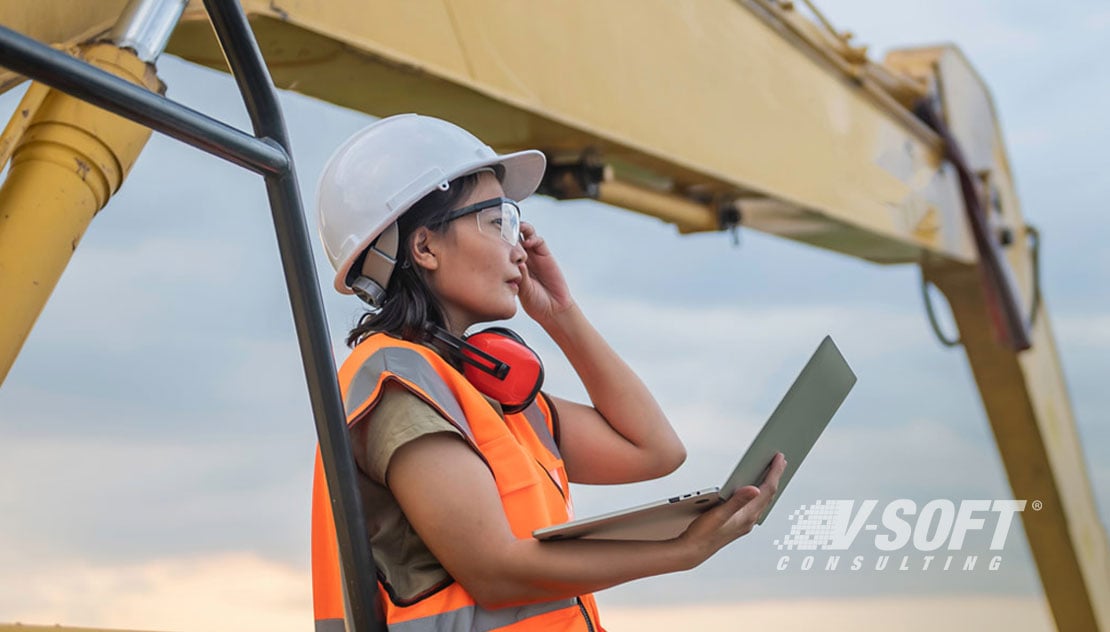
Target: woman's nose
(518,254)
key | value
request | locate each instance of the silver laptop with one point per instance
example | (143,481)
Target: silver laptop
(792,429)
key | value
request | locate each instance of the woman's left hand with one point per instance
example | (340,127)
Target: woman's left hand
(543,290)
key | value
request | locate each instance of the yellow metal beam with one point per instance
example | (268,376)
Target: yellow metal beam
(69,161)
(62,23)
(735,105)
(1024,393)
(1027,403)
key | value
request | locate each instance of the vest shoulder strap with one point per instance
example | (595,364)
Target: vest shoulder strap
(414,369)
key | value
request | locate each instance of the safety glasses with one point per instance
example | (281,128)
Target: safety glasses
(496,216)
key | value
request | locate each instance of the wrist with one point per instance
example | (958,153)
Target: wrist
(562,320)
(691,553)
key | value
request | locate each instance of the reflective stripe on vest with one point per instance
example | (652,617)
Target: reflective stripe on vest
(535,418)
(478,619)
(331,625)
(412,366)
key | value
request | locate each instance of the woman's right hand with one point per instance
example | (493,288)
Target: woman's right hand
(733,518)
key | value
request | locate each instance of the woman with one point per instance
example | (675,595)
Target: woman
(419,219)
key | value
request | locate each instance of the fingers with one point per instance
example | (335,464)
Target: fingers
(737,516)
(713,525)
(752,501)
(770,483)
(767,489)
(532,241)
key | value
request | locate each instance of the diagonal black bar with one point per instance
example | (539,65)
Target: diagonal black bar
(257,88)
(86,82)
(249,69)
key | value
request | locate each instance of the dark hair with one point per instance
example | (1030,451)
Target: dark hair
(409,305)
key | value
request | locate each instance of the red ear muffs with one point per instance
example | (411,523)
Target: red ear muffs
(519,384)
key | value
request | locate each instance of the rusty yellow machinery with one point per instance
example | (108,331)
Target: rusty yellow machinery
(903,162)
(80,154)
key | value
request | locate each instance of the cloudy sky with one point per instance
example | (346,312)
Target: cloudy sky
(156,440)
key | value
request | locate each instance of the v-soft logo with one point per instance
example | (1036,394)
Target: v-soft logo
(836,525)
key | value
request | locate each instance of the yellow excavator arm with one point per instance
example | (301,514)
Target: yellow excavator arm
(712,115)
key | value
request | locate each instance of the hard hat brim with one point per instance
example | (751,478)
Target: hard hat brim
(523,172)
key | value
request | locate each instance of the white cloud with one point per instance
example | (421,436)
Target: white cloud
(1086,331)
(1030,139)
(243,592)
(192,594)
(736,356)
(984,29)
(1099,21)
(135,498)
(907,614)
(912,458)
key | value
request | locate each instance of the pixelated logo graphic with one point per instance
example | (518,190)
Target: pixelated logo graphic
(836,525)
(813,527)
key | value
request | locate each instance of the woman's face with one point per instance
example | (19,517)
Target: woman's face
(473,271)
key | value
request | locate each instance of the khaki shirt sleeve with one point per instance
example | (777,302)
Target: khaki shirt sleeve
(400,417)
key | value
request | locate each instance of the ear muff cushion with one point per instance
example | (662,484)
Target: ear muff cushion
(525,377)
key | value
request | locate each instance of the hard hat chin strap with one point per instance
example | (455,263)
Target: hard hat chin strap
(377,266)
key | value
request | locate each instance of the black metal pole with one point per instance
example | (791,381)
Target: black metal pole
(58,70)
(249,69)
(256,86)
(270,156)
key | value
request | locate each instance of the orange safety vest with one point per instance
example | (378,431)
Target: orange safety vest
(527,468)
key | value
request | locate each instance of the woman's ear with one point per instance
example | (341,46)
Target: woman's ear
(425,248)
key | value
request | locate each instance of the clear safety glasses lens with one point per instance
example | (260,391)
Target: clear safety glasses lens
(497,216)
(503,220)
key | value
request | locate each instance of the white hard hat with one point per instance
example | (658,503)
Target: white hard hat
(388,166)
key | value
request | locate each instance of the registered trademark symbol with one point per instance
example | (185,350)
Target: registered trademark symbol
(1037,505)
